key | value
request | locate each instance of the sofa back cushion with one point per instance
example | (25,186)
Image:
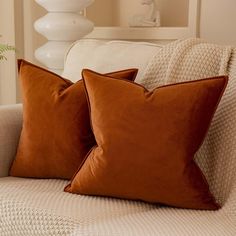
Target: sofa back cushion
(104,56)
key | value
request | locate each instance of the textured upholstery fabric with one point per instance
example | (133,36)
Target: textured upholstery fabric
(56,134)
(40,208)
(26,202)
(149,158)
(10,128)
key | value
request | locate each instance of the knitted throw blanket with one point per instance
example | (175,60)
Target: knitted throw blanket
(194,59)
(184,60)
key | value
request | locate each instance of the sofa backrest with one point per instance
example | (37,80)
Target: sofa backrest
(104,57)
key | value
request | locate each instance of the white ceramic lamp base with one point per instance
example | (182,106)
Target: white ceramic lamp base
(61,26)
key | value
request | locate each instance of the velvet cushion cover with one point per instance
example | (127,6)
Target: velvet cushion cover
(146,141)
(56,132)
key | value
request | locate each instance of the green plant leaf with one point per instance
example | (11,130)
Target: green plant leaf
(2,57)
(5,48)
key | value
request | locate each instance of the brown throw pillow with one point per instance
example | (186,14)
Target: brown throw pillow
(56,134)
(146,141)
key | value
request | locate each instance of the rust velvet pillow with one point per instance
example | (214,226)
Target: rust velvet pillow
(146,141)
(56,134)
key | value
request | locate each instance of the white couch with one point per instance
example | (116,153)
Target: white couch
(37,207)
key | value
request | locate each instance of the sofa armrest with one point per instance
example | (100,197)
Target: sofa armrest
(10,129)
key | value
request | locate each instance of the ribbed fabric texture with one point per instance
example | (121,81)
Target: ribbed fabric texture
(31,207)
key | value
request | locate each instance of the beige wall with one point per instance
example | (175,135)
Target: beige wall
(16,27)
(218,21)
(32,40)
(7,68)
(101,12)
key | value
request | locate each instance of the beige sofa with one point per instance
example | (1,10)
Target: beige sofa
(40,207)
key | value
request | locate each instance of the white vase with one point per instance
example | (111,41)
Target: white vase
(51,54)
(61,26)
(64,5)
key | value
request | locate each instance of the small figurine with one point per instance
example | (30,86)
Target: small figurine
(150,19)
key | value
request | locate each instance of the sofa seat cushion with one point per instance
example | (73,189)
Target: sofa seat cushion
(31,207)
